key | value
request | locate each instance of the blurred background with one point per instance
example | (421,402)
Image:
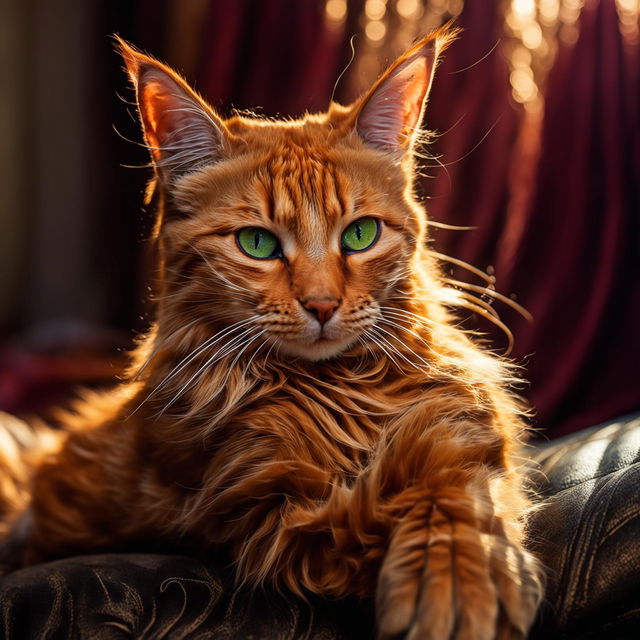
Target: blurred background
(537,107)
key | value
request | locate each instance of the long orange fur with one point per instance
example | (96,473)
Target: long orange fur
(380,461)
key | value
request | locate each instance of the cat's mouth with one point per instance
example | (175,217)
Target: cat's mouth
(315,341)
(322,348)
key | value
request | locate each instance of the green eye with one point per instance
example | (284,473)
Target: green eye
(258,243)
(360,235)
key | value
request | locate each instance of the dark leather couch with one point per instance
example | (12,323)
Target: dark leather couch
(587,534)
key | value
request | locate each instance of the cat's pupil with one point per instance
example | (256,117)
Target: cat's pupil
(256,240)
(358,232)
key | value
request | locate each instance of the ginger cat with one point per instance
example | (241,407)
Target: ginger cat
(305,399)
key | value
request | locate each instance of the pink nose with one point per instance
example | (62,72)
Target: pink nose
(322,309)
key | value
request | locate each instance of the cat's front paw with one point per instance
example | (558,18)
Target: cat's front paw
(444,580)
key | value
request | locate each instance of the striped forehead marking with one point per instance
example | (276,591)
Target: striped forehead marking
(305,199)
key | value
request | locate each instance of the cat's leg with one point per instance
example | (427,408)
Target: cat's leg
(451,571)
(82,498)
(456,566)
(433,527)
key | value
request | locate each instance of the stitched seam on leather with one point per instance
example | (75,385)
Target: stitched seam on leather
(572,551)
(610,490)
(596,477)
(620,522)
(586,530)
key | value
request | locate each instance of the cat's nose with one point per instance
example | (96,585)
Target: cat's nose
(322,309)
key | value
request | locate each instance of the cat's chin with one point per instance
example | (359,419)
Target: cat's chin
(320,349)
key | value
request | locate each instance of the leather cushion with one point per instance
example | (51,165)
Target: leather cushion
(152,596)
(588,533)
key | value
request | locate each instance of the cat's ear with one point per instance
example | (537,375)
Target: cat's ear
(389,115)
(183,133)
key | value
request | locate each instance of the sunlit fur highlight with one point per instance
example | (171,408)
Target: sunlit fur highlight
(378,458)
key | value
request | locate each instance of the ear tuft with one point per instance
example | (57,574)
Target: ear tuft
(182,132)
(389,115)
(131,57)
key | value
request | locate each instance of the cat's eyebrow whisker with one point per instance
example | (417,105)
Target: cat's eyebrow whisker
(216,273)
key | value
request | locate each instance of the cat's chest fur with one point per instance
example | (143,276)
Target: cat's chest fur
(330,417)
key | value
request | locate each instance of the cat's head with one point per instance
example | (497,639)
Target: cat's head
(292,233)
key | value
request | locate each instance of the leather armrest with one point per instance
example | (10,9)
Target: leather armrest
(588,533)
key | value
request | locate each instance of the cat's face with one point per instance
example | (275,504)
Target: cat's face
(293,234)
(310,238)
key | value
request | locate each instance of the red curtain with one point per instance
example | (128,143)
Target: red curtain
(571,254)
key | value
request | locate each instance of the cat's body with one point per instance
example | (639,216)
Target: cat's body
(314,411)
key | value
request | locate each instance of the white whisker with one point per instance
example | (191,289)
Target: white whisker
(218,355)
(394,348)
(194,354)
(389,333)
(376,338)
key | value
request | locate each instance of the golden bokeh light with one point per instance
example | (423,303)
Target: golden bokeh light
(336,10)
(570,11)
(629,15)
(520,57)
(409,8)
(548,11)
(375,9)
(524,88)
(390,26)
(525,10)
(533,32)
(375,30)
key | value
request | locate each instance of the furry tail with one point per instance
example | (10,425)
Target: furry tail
(20,446)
